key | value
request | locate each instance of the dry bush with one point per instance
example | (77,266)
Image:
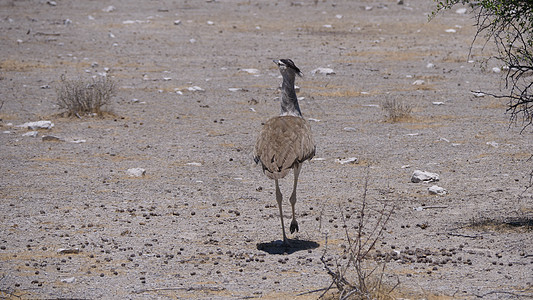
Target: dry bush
(396,110)
(79,97)
(354,274)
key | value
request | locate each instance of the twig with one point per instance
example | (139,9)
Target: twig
(208,288)
(464,235)
(314,291)
(504,292)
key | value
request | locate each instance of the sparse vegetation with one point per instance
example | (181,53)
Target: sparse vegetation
(396,110)
(85,97)
(509,24)
(353,274)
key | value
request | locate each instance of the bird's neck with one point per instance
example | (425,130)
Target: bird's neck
(289,101)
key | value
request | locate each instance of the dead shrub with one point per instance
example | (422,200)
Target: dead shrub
(354,274)
(396,110)
(85,97)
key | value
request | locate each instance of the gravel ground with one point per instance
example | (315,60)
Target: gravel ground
(202,222)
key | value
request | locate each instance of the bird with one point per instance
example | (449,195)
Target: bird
(285,141)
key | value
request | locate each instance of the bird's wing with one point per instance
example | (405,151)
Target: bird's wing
(284,141)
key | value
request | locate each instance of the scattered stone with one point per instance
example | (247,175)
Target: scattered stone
(461,11)
(327,26)
(38,125)
(197,164)
(50,138)
(51,3)
(349,129)
(177,22)
(31,133)
(68,251)
(110,8)
(136,172)
(496,70)
(77,141)
(493,144)
(437,190)
(451,30)
(430,66)
(422,176)
(326,71)
(195,89)
(210,23)
(419,82)
(437,103)
(478,94)
(251,71)
(349,160)
(235,89)
(68,280)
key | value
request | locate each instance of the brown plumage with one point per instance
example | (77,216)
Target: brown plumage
(285,142)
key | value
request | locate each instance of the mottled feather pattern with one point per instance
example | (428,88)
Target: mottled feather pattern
(284,141)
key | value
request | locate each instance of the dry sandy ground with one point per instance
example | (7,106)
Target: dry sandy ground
(195,225)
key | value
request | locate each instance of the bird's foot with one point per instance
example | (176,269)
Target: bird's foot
(294,226)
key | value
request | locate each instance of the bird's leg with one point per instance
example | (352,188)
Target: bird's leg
(279,199)
(294,224)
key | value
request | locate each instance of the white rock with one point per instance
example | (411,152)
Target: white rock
(196,164)
(136,172)
(177,22)
(68,251)
(77,141)
(313,120)
(251,71)
(235,89)
(349,129)
(493,144)
(349,160)
(496,70)
(68,280)
(111,35)
(338,16)
(210,23)
(327,26)
(326,71)
(192,41)
(38,125)
(451,30)
(422,176)
(436,190)
(478,94)
(419,82)
(31,133)
(195,89)
(438,103)
(430,65)
(109,9)
(461,11)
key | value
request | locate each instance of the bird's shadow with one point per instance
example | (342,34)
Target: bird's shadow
(278,247)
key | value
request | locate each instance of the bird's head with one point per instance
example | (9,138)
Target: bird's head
(287,66)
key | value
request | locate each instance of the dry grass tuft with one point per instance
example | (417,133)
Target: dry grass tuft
(79,97)
(396,110)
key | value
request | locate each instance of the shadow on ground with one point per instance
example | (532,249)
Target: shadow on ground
(277,247)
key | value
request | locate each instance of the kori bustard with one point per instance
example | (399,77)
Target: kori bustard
(285,141)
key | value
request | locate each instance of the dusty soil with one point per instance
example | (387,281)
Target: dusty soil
(203,222)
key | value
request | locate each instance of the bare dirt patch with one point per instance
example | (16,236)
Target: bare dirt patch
(202,222)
